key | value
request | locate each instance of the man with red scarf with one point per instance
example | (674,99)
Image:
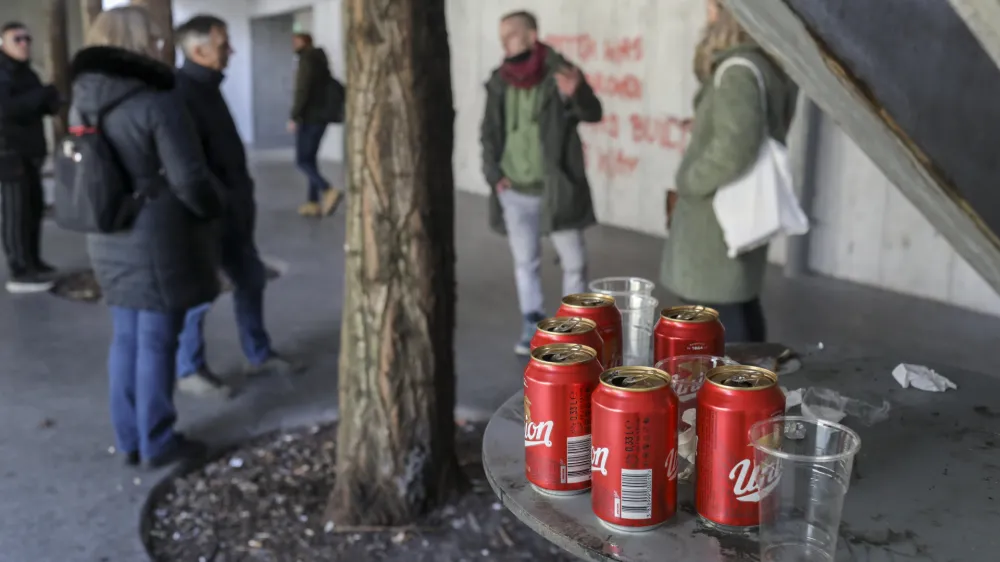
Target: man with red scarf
(533,161)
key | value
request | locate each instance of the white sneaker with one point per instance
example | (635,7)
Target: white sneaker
(29,283)
(203,384)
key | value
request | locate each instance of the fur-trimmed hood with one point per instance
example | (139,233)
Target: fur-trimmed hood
(101,75)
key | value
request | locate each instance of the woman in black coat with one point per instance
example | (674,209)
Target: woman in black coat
(151,274)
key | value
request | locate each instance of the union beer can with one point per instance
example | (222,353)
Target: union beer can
(634,460)
(558,384)
(688,330)
(602,311)
(733,398)
(568,330)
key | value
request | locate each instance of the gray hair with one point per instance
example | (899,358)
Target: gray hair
(197,30)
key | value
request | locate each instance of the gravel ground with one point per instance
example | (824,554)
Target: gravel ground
(264,503)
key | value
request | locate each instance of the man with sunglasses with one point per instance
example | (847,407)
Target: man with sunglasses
(24,102)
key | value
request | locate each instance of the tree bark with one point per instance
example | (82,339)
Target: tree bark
(396,439)
(90,9)
(59,63)
(161,12)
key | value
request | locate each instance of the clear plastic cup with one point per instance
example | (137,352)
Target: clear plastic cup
(616,286)
(687,375)
(803,469)
(638,314)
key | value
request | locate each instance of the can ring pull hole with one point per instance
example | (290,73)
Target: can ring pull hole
(742,381)
(558,356)
(565,327)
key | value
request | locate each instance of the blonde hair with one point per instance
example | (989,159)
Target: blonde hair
(127,27)
(724,33)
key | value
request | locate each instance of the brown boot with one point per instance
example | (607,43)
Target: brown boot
(310,209)
(331,198)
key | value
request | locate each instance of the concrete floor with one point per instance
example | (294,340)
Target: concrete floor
(64,498)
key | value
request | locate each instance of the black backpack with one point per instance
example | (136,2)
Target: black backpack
(93,191)
(336,96)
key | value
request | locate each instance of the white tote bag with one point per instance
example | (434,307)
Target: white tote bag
(761,204)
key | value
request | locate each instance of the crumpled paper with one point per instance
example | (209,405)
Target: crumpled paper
(828,404)
(921,378)
(687,443)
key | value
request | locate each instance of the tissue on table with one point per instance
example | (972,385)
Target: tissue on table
(921,378)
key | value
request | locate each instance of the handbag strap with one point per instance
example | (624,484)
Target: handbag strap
(741,61)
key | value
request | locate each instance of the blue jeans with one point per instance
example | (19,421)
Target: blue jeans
(242,264)
(308,137)
(141,373)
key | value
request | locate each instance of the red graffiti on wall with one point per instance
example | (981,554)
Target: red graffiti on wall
(581,47)
(625,49)
(665,131)
(610,162)
(624,86)
(609,126)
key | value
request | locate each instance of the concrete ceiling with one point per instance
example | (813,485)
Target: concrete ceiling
(915,89)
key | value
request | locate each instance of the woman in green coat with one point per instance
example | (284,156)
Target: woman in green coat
(728,131)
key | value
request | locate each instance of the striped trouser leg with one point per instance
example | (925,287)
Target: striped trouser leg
(15,228)
(34,212)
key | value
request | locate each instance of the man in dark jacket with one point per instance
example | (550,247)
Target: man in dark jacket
(312,112)
(533,161)
(24,102)
(205,42)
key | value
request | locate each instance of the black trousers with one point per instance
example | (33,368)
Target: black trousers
(22,204)
(744,321)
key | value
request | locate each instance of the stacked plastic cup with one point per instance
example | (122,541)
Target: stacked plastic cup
(803,468)
(633,296)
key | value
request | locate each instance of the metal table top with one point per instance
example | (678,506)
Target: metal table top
(925,488)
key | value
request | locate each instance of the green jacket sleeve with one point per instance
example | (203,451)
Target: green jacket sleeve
(303,83)
(491,136)
(737,130)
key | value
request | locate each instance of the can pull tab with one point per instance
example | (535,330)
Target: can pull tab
(741,381)
(565,326)
(690,313)
(558,356)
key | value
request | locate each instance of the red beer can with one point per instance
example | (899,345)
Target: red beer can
(733,398)
(562,329)
(558,384)
(634,461)
(688,330)
(602,310)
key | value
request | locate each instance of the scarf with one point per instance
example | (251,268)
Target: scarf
(527,70)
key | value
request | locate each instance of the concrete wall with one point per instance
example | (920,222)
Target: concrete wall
(637,54)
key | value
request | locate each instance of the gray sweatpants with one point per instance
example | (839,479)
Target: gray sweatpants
(521,214)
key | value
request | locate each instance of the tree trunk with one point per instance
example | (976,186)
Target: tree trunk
(90,9)
(396,439)
(59,63)
(161,11)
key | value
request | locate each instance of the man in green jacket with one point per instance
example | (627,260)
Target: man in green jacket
(533,162)
(312,112)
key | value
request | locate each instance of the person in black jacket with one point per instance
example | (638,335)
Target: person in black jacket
(312,112)
(152,274)
(24,102)
(205,42)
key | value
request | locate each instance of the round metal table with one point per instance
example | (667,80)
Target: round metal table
(926,485)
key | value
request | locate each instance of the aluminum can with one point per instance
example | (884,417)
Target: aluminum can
(634,461)
(558,384)
(688,330)
(602,311)
(563,329)
(733,398)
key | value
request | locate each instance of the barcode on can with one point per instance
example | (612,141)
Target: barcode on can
(578,459)
(637,493)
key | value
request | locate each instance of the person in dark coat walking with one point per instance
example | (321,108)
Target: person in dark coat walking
(312,113)
(152,274)
(24,102)
(205,42)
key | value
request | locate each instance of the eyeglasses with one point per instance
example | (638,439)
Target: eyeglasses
(21,39)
